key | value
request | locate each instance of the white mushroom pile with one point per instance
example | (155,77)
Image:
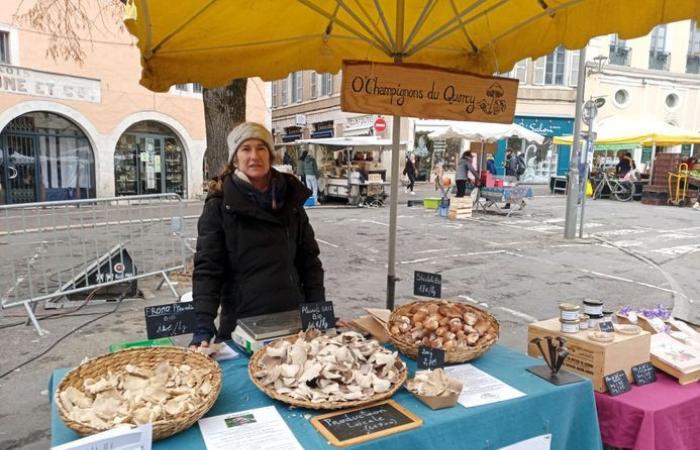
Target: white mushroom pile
(137,395)
(321,368)
(433,383)
(444,325)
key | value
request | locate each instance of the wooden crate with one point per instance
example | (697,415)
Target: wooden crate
(460,208)
(592,359)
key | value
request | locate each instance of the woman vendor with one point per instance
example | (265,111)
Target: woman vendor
(256,251)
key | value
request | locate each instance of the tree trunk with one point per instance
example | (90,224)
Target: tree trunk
(224,108)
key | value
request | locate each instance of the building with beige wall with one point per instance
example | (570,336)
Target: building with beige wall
(86,130)
(655,75)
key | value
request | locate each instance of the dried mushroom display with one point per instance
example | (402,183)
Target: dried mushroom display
(137,395)
(444,325)
(324,370)
(433,383)
(463,331)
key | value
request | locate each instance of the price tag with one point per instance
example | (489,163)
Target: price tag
(427,284)
(617,383)
(606,326)
(643,374)
(430,358)
(170,320)
(317,315)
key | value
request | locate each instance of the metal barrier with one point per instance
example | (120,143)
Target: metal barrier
(53,249)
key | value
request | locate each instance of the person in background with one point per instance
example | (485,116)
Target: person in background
(300,167)
(625,164)
(410,171)
(256,250)
(490,164)
(511,163)
(465,172)
(311,174)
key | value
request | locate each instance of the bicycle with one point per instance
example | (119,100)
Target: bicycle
(622,190)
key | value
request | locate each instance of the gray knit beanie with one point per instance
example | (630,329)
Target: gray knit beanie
(249,130)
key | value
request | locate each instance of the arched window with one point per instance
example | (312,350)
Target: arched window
(149,159)
(45,157)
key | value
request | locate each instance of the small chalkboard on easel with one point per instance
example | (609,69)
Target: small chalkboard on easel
(353,426)
(427,284)
(643,374)
(617,383)
(430,358)
(168,320)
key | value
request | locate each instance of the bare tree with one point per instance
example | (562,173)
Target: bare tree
(71,24)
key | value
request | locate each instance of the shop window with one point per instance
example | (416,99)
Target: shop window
(686,150)
(149,159)
(45,157)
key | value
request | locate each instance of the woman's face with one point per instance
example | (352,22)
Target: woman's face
(253,159)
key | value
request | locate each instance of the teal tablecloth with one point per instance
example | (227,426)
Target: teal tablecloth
(567,412)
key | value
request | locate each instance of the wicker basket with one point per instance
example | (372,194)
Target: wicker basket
(253,368)
(460,355)
(147,357)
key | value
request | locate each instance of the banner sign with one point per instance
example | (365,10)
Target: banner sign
(414,90)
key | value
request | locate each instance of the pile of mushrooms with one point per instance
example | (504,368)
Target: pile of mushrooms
(445,325)
(321,368)
(137,395)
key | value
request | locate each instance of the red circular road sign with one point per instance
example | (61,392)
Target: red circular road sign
(379,125)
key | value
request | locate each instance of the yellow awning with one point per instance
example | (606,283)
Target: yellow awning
(214,41)
(635,129)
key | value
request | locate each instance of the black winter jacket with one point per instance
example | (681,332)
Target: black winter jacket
(251,261)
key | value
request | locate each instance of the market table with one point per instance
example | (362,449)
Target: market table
(495,198)
(660,415)
(567,412)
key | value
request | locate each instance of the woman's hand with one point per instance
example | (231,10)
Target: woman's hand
(203,344)
(341,323)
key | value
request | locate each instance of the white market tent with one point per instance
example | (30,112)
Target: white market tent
(350,141)
(484,132)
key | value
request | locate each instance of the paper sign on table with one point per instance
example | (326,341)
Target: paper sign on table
(254,429)
(543,442)
(480,388)
(225,352)
(121,438)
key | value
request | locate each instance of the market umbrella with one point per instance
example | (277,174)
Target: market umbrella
(640,130)
(211,42)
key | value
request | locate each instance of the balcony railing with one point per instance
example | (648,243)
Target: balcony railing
(692,64)
(620,55)
(659,60)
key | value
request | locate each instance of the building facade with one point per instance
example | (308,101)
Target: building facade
(72,131)
(655,75)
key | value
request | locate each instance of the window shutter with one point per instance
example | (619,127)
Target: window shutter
(539,70)
(314,92)
(573,67)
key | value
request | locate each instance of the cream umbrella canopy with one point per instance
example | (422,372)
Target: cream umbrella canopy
(214,41)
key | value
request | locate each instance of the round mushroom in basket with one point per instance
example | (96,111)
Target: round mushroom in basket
(445,325)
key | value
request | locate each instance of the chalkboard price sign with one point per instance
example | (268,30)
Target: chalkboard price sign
(427,284)
(169,320)
(357,425)
(617,383)
(430,358)
(606,326)
(317,315)
(644,374)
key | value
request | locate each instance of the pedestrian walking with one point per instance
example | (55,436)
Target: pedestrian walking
(311,173)
(410,171)
(300,167)
(256,250)
(511,163)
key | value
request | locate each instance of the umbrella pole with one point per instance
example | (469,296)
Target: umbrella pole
(393,206)
(395,155)
(651,166)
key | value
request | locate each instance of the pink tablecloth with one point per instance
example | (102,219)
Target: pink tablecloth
(658,416)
